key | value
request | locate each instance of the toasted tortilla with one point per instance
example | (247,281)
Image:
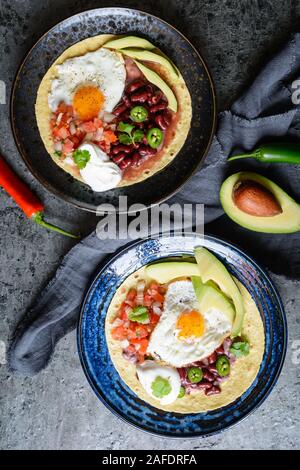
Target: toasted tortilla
(149,166)
(243,371)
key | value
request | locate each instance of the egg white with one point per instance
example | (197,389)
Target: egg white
(164,343)
(102,68)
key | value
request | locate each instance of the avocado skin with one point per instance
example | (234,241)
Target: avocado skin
(288,221)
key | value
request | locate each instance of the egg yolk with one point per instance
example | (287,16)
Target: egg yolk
(190,324)
(87,102)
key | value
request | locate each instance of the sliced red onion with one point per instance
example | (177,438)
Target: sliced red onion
(117,322)
(59,118)
(98,135)
(124,343)
(72,128)
(226,345)
(58,146)
(156,307)
(107,117)
(89,136)
(140,292)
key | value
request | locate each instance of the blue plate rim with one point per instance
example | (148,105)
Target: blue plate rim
(165,435)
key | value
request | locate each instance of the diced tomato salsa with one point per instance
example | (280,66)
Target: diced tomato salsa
(136,335)
(68,132)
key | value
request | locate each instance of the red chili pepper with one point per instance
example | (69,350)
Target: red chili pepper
(25,198)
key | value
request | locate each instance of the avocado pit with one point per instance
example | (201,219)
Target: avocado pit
(255,199)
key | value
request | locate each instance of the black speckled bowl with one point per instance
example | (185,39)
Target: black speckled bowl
(113,21)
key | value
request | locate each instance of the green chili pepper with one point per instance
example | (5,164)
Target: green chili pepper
(223,365)
(195,374)
(139,114)
(273,153)
(155,137)
(181,392)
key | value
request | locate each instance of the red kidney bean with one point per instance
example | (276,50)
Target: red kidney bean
(220,349)
(133,86)
(212,368)
(125,163)
(212,358)
(156,98)
(212,391)
(140,97)
(120,109)
(167,117)
(208,376)
(119,158)
(121,148)
(127,101)
(204,385)
(160,121)
(149,89)
(135,159)
(146,151)
(158,107)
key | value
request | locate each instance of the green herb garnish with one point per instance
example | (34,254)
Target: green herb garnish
(240,348)
(139,314)
(161,387)
(57,153)
(128,137)
(81,157)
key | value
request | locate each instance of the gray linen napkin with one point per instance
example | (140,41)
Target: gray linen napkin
(264,113)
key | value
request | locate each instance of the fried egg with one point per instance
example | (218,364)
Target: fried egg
(184,334)
(91,83)
(162,383)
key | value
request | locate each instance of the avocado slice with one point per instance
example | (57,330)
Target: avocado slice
(209,296)
(169,270)
(129,41)
(151,57)
(154,78)
(211,269)
(288,221)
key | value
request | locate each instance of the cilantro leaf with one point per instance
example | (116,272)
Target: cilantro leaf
(125,127)
(81,157)
(125,139)
(138,136)
(161,387)
(139,314)
(57,153)
(240,348)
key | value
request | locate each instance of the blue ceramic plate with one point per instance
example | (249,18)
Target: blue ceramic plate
(104,378)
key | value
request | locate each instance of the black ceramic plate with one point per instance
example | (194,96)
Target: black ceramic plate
(113,21)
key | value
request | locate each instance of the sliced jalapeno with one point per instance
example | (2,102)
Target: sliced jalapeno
(155,137)
(139,114)
(181,392)
(223,365)
(195,374)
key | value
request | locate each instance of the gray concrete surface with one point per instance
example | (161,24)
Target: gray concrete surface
(57,409)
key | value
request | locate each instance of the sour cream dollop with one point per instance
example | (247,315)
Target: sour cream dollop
(100,173)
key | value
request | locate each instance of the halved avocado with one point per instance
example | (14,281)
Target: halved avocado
(288,221)
(129,41)
(209,296)
(154,78)
(211,269)
(151,57)
(166,272)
